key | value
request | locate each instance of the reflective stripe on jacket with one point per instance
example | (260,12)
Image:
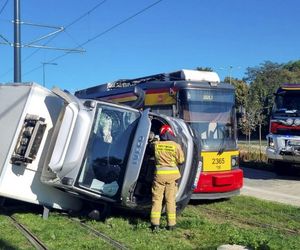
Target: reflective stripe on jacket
(167,170)
(168,155)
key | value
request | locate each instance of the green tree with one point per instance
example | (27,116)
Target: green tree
(247,123)
(264,81)
(292,71)
(241,90)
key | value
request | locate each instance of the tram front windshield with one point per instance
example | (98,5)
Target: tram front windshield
(211,114)
(108,149)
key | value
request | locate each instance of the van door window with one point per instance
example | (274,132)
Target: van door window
(109,144)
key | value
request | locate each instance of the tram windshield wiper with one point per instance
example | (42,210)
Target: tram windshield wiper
(222,144)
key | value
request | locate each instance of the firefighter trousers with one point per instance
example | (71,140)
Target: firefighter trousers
(164,187)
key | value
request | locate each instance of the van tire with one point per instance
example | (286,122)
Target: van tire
(100,213)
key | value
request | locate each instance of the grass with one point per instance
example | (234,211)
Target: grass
(199,228)
(10,238)
(58,232)
(240,220)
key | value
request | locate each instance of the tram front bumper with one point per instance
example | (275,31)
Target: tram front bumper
(216,185)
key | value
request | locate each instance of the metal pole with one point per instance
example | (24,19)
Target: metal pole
(17,42)
(230,69)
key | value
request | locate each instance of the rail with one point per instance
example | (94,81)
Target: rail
(106,238)
(35,241)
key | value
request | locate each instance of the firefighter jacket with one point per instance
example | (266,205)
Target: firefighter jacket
(168,155)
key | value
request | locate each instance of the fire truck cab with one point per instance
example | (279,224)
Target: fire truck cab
(283,148)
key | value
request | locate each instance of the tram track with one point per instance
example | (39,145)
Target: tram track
(34,240)
(39,245)
(107,239)
(94,232)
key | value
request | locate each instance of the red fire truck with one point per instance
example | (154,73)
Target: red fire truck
(283,148)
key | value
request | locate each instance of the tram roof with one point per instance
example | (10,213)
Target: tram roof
(102,90)
(178,79)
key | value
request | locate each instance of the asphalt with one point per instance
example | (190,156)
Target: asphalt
(270,186)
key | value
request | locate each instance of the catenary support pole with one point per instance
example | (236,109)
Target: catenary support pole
(17,42)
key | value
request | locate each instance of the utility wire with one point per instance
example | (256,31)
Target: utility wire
(72,38)
(3,7)
(67,26)
(86,14)
(122,22)
(100,34)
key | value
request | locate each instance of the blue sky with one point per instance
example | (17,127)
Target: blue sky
(171,35)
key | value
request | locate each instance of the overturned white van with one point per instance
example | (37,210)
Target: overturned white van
(60,150)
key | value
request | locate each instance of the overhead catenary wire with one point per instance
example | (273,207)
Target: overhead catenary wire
(100,34)
(68,26)
(85,14)
(54,36)
(122,22)
(5,20)
(72,38)
(3,7)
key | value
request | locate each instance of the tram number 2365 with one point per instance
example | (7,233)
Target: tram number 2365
(218,161)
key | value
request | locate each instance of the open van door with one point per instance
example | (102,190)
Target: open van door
(140,196)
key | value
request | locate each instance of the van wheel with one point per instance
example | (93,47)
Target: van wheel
(100,213)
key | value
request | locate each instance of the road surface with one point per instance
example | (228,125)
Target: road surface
(269,186)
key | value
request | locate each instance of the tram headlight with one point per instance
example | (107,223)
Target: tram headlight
(234,162)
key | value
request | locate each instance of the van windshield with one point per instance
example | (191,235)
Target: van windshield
(108,149)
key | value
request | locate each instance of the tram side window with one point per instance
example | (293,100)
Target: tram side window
(165,110)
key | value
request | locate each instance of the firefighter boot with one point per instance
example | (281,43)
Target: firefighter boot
(171,228)
(154,227)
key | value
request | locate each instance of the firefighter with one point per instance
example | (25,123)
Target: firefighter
(168,155)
